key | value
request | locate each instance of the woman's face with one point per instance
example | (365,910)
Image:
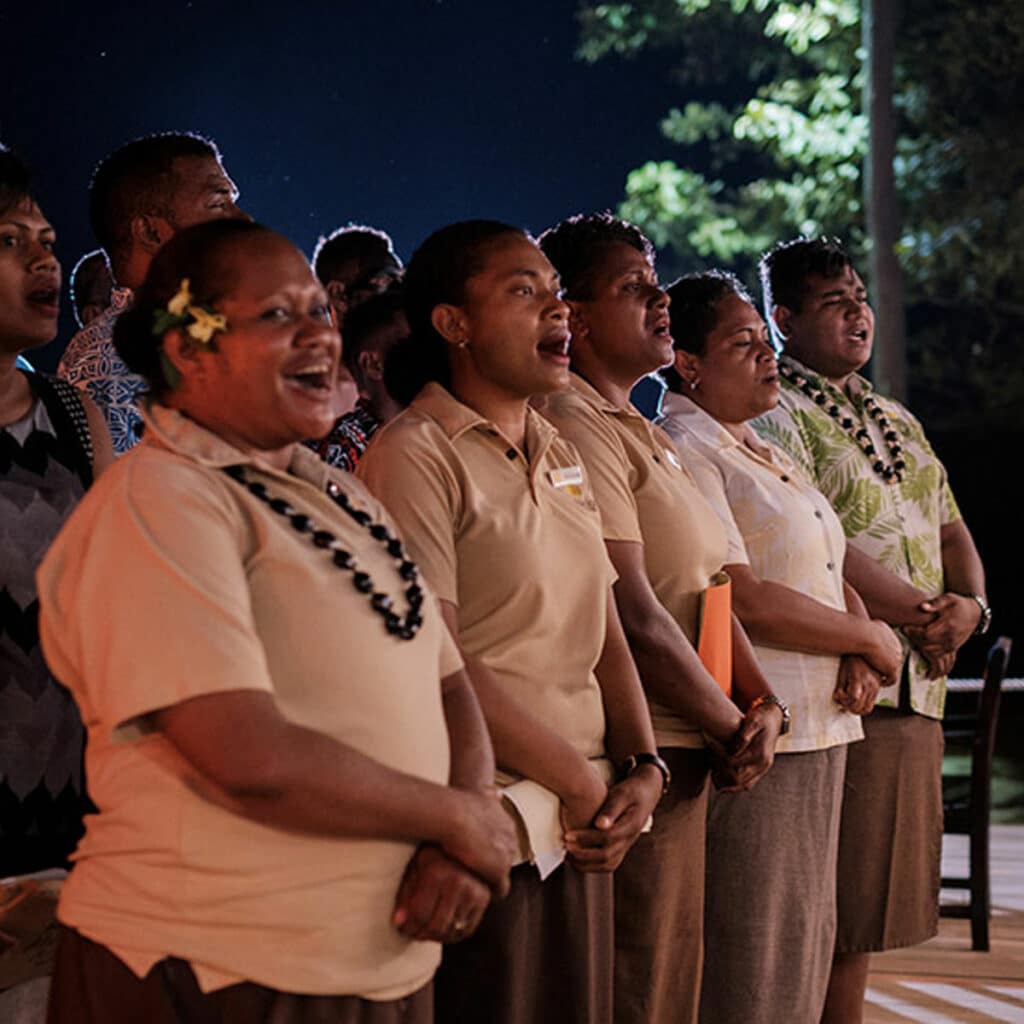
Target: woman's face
(515,324)
(29,279)
(737,377)
(626,321)
(268,381)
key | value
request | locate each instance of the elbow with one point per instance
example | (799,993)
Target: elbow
(753,609)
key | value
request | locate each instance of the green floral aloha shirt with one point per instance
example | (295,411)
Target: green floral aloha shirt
(897,524)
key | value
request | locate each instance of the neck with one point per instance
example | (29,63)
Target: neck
(506,411)
(612,385)
(737,430)
(279,458)
(381,405)
(839,381)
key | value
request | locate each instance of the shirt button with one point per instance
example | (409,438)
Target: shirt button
(817,514)
(656,459)
(784,478)
(830,566)
(511,453)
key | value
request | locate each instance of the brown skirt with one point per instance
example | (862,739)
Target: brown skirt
(770,912)
(93,986)
(543,955)
(659,903)
(890,843)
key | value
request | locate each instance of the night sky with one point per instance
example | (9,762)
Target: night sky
(406,115)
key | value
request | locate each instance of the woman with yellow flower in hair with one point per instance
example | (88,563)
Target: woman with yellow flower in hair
(292,773)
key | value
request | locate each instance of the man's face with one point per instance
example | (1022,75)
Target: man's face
(355,282)
(203,191)
(835,328)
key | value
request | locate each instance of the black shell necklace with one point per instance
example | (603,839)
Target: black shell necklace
(404,627)
(892,473)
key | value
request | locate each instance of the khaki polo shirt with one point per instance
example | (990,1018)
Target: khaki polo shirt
(786,531)
(646,495)
(171,581)
(514,541)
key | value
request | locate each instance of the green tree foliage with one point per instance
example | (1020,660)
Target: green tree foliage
(772,139)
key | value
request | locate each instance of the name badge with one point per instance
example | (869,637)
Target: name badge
(673,458)
(568,478)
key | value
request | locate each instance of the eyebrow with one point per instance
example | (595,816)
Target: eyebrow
(22,226)
(535,274)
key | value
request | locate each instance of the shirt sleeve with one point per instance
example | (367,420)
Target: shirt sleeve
(607,465)
(784,428)
(711,484)
(144,596)
(949,511)
(406,470)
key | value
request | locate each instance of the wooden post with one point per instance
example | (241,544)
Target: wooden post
(889,363)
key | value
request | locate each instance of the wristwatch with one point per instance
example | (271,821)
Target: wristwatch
(634,761)
(770,698)
(986,614)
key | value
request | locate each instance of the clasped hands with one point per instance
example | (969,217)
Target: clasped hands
(954,619)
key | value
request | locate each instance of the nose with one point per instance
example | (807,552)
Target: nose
(559,308)
(660,299)
(42,257)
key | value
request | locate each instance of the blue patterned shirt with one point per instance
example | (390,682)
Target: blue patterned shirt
(91,363)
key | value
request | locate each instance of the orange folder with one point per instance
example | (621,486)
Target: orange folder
(714,630)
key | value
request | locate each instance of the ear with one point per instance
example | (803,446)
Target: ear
(782,317)
(578,323)
(182,352)
(687,365)
(336,294)
(149,232)
(451,323)
(371,366)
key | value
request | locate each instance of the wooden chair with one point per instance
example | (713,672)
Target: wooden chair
(969,815)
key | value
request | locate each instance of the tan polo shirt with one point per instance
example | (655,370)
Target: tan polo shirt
(171,581)
(514,542)
(784,528)
(647,496)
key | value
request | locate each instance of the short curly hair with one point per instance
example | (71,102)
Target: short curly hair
(577,247)
(785,267)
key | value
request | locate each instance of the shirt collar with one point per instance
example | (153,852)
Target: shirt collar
(456,418)
(688,415)
(585,388)
(174,431)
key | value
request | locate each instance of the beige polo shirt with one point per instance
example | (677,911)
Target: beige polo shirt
(171,581)
(514,541)
(784,528)
(646,495)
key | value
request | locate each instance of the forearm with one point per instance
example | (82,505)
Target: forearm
(628,728)
(748,681)
(472,757)
(775,614)
(961,564)
(522,743)
(884,594)
(673,675)
(854,603)
(294,778)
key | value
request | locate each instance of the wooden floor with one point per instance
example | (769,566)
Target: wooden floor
(942,981)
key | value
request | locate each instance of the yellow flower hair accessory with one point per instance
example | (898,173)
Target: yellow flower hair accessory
(200,323)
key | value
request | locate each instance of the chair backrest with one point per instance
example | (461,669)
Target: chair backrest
(988,710)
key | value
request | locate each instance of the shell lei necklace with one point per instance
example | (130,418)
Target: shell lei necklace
(892,473)
(404,627)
